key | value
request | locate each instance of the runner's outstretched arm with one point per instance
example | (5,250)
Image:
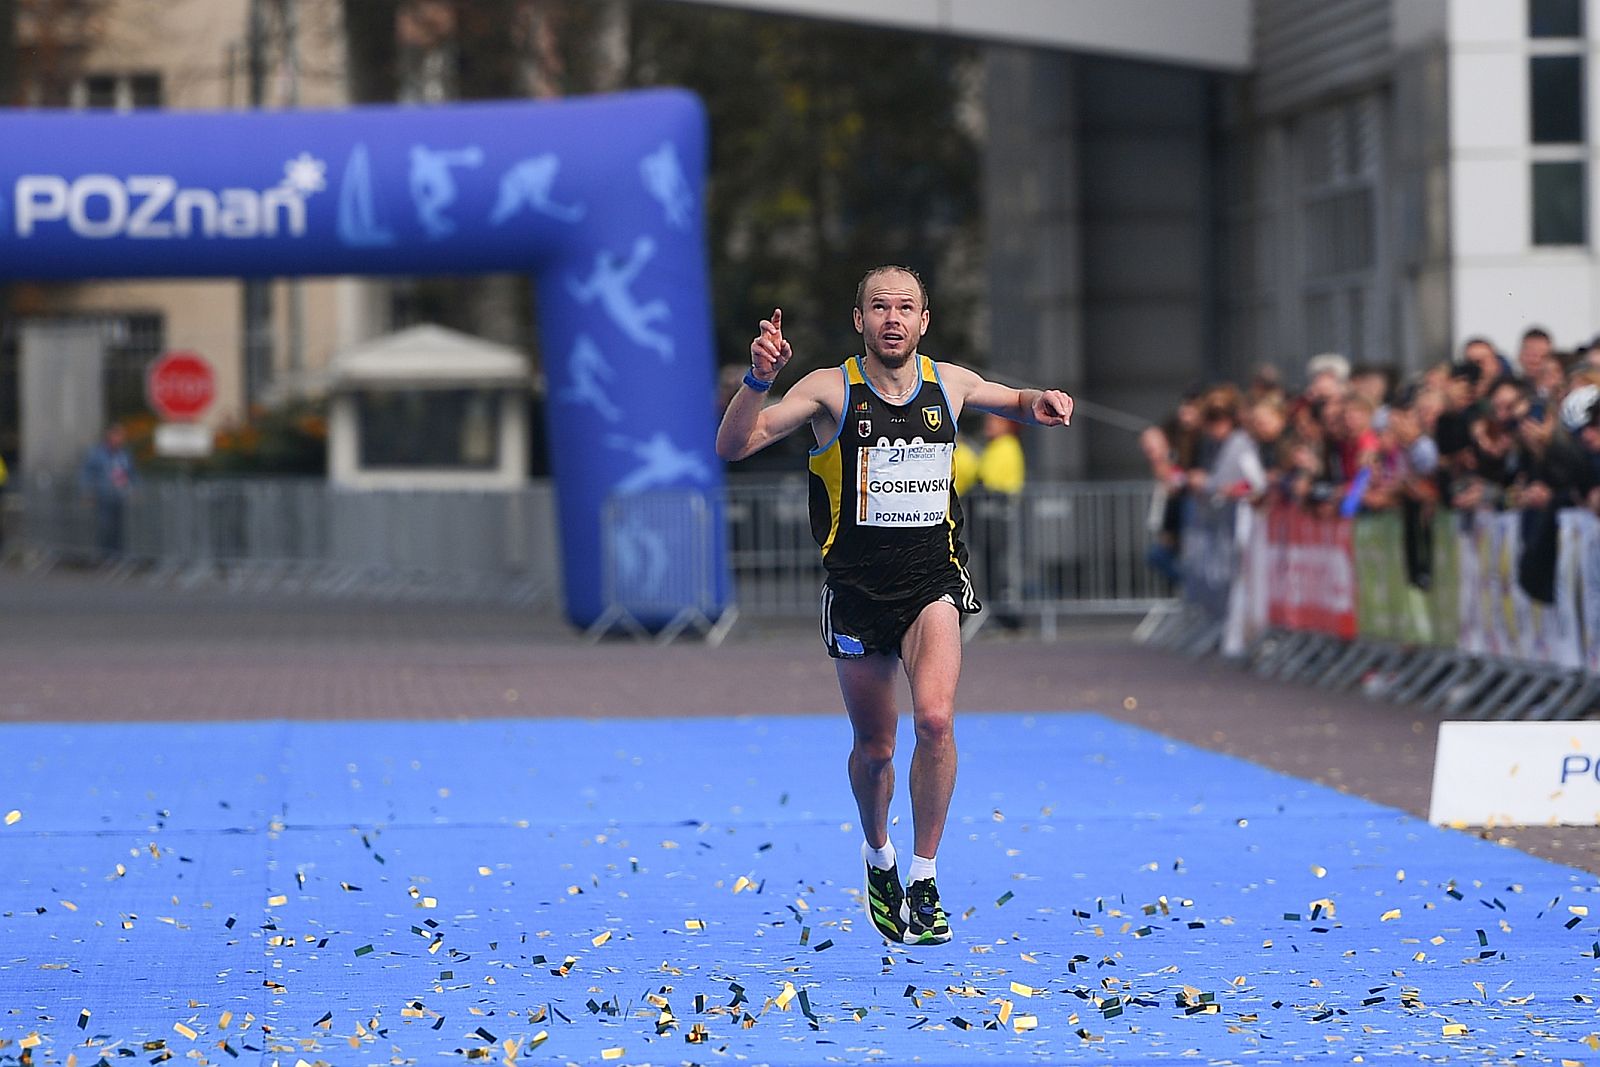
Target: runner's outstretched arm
(1036,407)
(749,424)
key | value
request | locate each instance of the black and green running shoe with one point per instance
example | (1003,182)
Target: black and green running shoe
(885,900)
(924,916)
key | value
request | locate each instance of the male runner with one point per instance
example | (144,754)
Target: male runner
(885,513)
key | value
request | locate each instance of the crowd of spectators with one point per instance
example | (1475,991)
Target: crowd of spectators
(1481,431)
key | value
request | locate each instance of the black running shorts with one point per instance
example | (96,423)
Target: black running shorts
(855,625)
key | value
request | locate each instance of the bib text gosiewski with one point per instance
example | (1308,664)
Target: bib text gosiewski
(904,484)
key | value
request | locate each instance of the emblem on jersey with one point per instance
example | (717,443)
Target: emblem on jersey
(865,405)
(864,427)
(933,417)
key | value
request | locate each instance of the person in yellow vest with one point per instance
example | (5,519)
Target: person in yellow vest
(1001,467)
(1001,471)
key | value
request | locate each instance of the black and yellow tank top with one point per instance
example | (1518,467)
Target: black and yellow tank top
(882,497)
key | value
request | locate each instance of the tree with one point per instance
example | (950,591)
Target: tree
(834,148)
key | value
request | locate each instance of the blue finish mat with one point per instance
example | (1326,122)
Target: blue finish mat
(688,890)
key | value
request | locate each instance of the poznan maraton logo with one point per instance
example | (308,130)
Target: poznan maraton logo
(156,207)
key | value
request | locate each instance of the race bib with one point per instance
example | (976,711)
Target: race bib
(903,485)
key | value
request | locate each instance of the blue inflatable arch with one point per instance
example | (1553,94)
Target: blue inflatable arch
(600,199)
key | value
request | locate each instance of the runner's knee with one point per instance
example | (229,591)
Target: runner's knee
(936,723)
(876,750)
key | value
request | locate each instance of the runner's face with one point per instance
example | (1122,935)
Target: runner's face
(891,320)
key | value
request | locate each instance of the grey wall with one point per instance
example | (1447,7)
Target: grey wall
(1149,244)
(1101,233)
(1033,230)
(61,381)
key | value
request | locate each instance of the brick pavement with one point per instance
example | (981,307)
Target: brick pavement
(75,647)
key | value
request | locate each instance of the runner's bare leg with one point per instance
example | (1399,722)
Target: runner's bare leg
(868,688)
(931,653)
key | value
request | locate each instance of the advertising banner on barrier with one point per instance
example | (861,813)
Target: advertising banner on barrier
(1444,605)
(1498,618)
(1469,589)
(1565,625)
(1516,774)
(1380,577)
(1247,606)
(1210,556)
(1586,547)
(1313,573)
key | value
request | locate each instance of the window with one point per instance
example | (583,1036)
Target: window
(1556,98)
(1555,18)
(1558,215)
(1557,124)
(118,92)
(454,428)
(1339,150)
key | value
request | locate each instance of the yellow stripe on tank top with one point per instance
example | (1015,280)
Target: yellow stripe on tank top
(827,467)
(861,485)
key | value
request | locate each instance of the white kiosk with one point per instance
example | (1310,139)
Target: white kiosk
(429,409)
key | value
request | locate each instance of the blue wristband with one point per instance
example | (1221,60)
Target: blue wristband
(755,383)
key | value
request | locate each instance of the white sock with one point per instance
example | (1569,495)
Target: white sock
(881,858)
(920,868)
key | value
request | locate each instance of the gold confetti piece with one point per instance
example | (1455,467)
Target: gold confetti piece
(599,939)
(1454,1030)
(13,817)
(121,870)
(785,997)
(224,1019)
(69,905)
(1021,990)
(1319,871)
(1392,913)
(1400,876)
(538,1039)
(277,901)
(485,871)
(611,1053)
(430,902)
(694,924)
(742,884)
(1025,1022)
(1593,1041)
(31,1041)
(1578,909)
(185,1031)
(1005,1012)
(1027,957)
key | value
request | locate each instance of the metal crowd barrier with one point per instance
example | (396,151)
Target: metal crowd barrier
(659,568)
(301,534)
(1434,614)
(1058,549)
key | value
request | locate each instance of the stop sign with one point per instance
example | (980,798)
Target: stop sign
(180,385)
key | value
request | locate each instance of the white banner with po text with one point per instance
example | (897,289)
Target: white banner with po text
(1516,774)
